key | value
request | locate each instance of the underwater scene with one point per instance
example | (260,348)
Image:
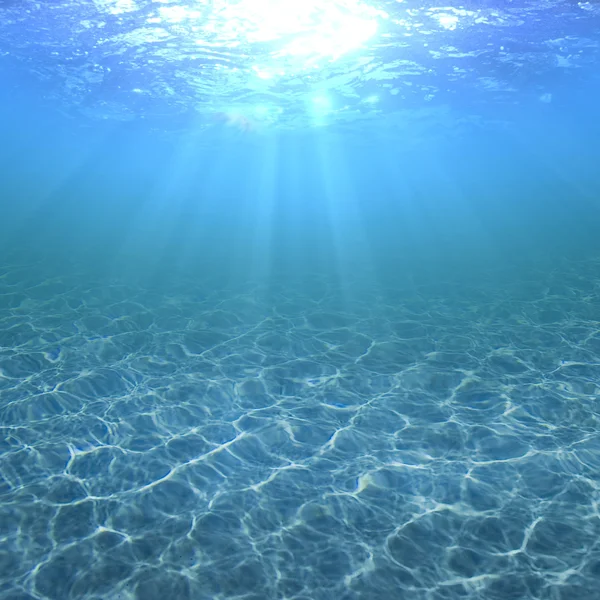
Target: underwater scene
(299,300)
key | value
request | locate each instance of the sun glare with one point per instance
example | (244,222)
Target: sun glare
(304,32)
(257,42)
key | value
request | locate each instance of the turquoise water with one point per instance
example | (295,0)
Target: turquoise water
(306,358)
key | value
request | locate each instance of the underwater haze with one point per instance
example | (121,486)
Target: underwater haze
(299,300)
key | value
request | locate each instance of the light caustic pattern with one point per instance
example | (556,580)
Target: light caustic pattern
(433,442)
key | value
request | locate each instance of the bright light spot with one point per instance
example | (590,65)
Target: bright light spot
(311,29)
(117,7)
(448,21)
(322,103)
(332,39)
(372,100)
(262,73)
(286,38)
(176,14)
(236,120)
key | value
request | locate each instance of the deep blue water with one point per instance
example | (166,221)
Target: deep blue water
(350,359)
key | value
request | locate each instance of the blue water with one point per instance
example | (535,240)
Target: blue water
(299,304)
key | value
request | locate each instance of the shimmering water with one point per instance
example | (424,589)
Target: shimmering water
(299,300)
(424,441)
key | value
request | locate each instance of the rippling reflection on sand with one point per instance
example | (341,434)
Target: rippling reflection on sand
(436,443)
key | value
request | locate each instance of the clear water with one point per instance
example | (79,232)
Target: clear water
(338,341)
